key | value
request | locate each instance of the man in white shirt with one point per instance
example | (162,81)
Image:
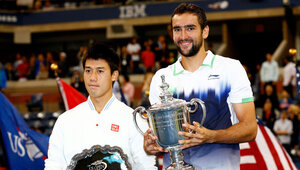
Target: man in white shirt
(101,120)
(283,128)
(134,49)
(269,72)
(289,75)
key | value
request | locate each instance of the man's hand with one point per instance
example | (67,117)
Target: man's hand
(150,145)
(199,135)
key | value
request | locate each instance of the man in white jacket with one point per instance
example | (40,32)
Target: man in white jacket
(101,120)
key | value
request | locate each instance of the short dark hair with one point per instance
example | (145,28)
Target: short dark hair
(101,51)
(193,9)
(289,58)
(126,78)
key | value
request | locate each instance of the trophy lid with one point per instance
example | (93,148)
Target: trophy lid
(166,98)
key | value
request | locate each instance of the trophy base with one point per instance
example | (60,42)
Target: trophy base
(180,166)
(177,159)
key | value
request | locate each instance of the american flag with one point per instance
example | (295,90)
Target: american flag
(265,152)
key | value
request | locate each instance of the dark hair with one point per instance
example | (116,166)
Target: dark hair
(126,77)
(289,58)
(101,51)
(193,9)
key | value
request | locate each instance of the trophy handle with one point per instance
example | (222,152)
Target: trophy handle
(139,110)
(195,102)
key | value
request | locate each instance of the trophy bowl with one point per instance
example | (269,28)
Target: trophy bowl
(166,119)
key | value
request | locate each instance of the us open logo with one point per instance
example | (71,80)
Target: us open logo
(22,144)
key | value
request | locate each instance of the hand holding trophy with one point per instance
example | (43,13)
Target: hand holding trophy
(165,120)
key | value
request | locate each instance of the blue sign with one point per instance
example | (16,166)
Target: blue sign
(132,11)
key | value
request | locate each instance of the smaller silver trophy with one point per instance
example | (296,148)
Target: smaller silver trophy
(166,118)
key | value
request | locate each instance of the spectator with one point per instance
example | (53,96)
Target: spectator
(50,60)
(269,115)
(48,6)
(118,92)
(43,73)
(77,82)
(128,89)
(134,49)
(148,57)
(38,4)
(32,68)
(161,51)
(269,94)
(269,72)
(285,101)
(289,75)
(18,61)
(63,68)
(22,69)
(150,42)
(10,72)
(165,60)
(294,117)
(39,63)
(283,128)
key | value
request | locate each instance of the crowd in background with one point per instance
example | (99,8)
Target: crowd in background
(137,57)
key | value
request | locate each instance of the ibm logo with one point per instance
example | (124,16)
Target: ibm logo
(8,18)
(132,11)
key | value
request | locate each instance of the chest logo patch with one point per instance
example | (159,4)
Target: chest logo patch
(114,128)
(213,76)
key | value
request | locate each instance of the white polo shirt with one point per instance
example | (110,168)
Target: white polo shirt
(269,71)
(82,127)
(219,82)
(134,48)
(284,125)
(289,74)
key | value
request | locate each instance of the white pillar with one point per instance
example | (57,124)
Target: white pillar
(297,41)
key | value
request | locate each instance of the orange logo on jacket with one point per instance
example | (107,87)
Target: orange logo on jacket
(114,128)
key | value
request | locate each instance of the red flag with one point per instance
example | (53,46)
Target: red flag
(70,95)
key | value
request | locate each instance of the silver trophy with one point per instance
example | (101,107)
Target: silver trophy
(165,118)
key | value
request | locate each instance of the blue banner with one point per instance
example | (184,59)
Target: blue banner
(25,148)
(139,10)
